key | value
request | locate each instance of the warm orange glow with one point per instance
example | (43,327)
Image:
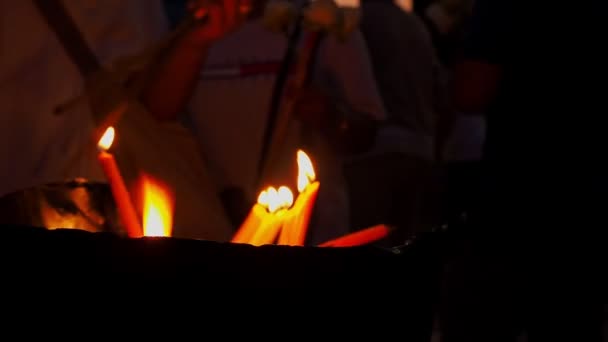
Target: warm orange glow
(274,200)
(306,171)
(106,139)
(158,208)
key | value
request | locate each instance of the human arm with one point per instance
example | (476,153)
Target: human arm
(175,78)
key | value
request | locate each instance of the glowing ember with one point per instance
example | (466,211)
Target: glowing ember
(106,139)
(306,171)
(158,208)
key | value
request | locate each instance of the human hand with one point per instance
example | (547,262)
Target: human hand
(216,18)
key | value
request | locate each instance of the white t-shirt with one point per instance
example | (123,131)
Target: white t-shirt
(230,109)
(36,76)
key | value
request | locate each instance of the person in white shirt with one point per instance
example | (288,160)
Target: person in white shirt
(42,128)
(230,110)
(395,183)
(464,135)
(37,78)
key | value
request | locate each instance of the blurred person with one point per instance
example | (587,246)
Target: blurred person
(44,128)
(537,238)
(37,78)
(461,137)
(396,182)
(230,111)
(461,156)
(446,20)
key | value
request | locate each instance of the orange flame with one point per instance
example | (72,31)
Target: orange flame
(107,139)
(274,200)
(158,208)
(306,171)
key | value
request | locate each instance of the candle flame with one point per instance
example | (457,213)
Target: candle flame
(263,198)
(306,171)
(274,200)
(107,139)
(158,208)
(274,203)
(285,196)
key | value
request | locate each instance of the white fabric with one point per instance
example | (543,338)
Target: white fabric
(36,76)
(229,115)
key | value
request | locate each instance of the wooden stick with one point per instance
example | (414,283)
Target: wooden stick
(277,127)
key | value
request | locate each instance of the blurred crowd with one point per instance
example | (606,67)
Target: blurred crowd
(424,113)
(374,113)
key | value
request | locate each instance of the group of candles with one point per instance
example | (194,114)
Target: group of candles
(157,211)
(275,218)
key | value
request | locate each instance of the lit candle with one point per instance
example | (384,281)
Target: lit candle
(257,214)
(126,212)
(360,238)
(266,217)
(278,203)
(297,221)
(251,223)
